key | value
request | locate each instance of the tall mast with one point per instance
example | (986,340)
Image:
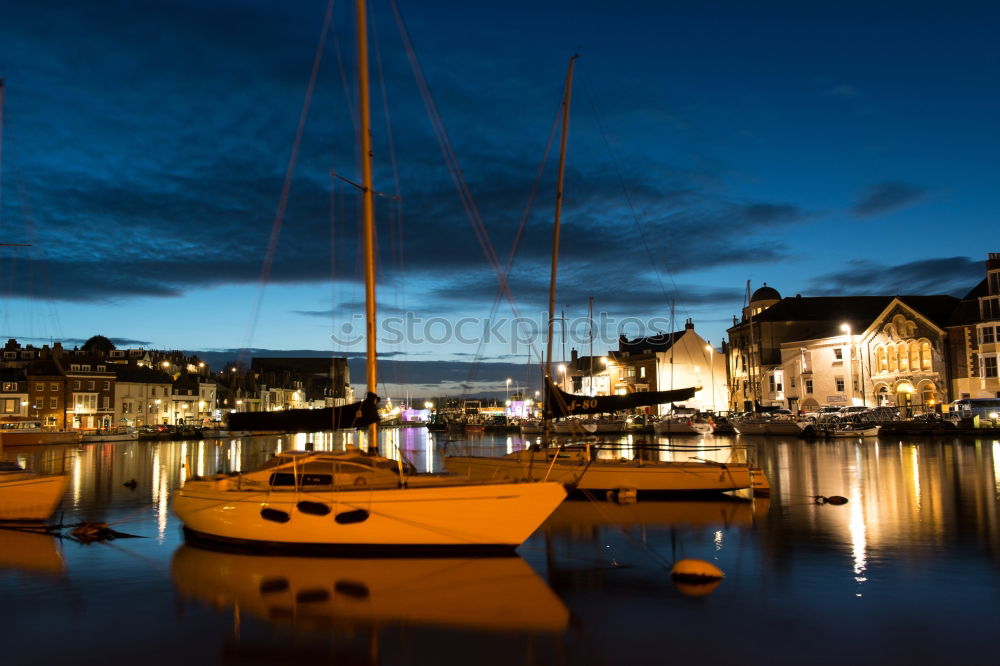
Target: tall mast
(555,233)
(368,205)
(590,322)
(751,366)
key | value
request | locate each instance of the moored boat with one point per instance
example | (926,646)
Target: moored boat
(123,434)
(27,432)
(26,496)
(353,501)
(682,425)
(579,468)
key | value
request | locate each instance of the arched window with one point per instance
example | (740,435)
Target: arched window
(904,357)
(891,355)
(914,355)
(881,364)
(925,355)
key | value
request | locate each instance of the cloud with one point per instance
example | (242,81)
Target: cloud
(888,196)
(945,275)
(845,91)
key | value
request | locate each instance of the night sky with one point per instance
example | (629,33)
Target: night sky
(822,148)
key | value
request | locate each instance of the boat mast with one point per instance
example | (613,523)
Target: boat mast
(751,367)
(590,322)
(368,205)
(555,237)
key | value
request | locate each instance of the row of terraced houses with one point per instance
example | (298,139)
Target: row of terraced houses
(97,386)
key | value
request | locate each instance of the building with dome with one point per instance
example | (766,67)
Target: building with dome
(805,353)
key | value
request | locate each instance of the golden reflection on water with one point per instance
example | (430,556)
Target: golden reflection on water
(314,593)
(996,468)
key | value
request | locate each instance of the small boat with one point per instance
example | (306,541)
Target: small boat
(683,423)
(26,496)
(122,434)
(351,500)
(26,432)
(532,427)
(764,425)
(849,430)
(579,468)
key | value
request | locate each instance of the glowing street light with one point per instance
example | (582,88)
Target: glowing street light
(846,328)
(711,370)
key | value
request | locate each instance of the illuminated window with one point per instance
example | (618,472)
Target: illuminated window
(914,356)
(904,357)
(890,353)
(925,355)
(880,361)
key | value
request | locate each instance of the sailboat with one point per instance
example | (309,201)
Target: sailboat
(26,496)
(359,501)
(580,467)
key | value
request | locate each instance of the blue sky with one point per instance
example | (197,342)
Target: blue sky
(822,148)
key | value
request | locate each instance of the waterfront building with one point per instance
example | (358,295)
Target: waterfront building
(659,362)
(805,353)
(46,393)
(14,396)
(301,382)
(142,395)
(896,358)
(975,338)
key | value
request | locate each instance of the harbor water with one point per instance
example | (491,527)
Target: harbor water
(906,571)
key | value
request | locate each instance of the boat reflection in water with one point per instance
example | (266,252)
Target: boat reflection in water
(35,553)
(490,594)
(583,516)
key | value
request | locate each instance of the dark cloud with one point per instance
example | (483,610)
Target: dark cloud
(946,275)
(887,197)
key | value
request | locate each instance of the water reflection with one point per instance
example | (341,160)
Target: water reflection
(488,594)
(909,566)
(26,552)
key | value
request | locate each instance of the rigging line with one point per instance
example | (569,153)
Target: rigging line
(451,160)
(31,231)
(279,216)
(396,210)
(643,233)
(517,237)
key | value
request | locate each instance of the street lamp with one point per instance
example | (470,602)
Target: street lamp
(711,370)
(846,328)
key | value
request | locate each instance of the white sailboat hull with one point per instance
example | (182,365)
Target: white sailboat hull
(608,474)
(682,428)
(768,427)
(29,497)
(445,516)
